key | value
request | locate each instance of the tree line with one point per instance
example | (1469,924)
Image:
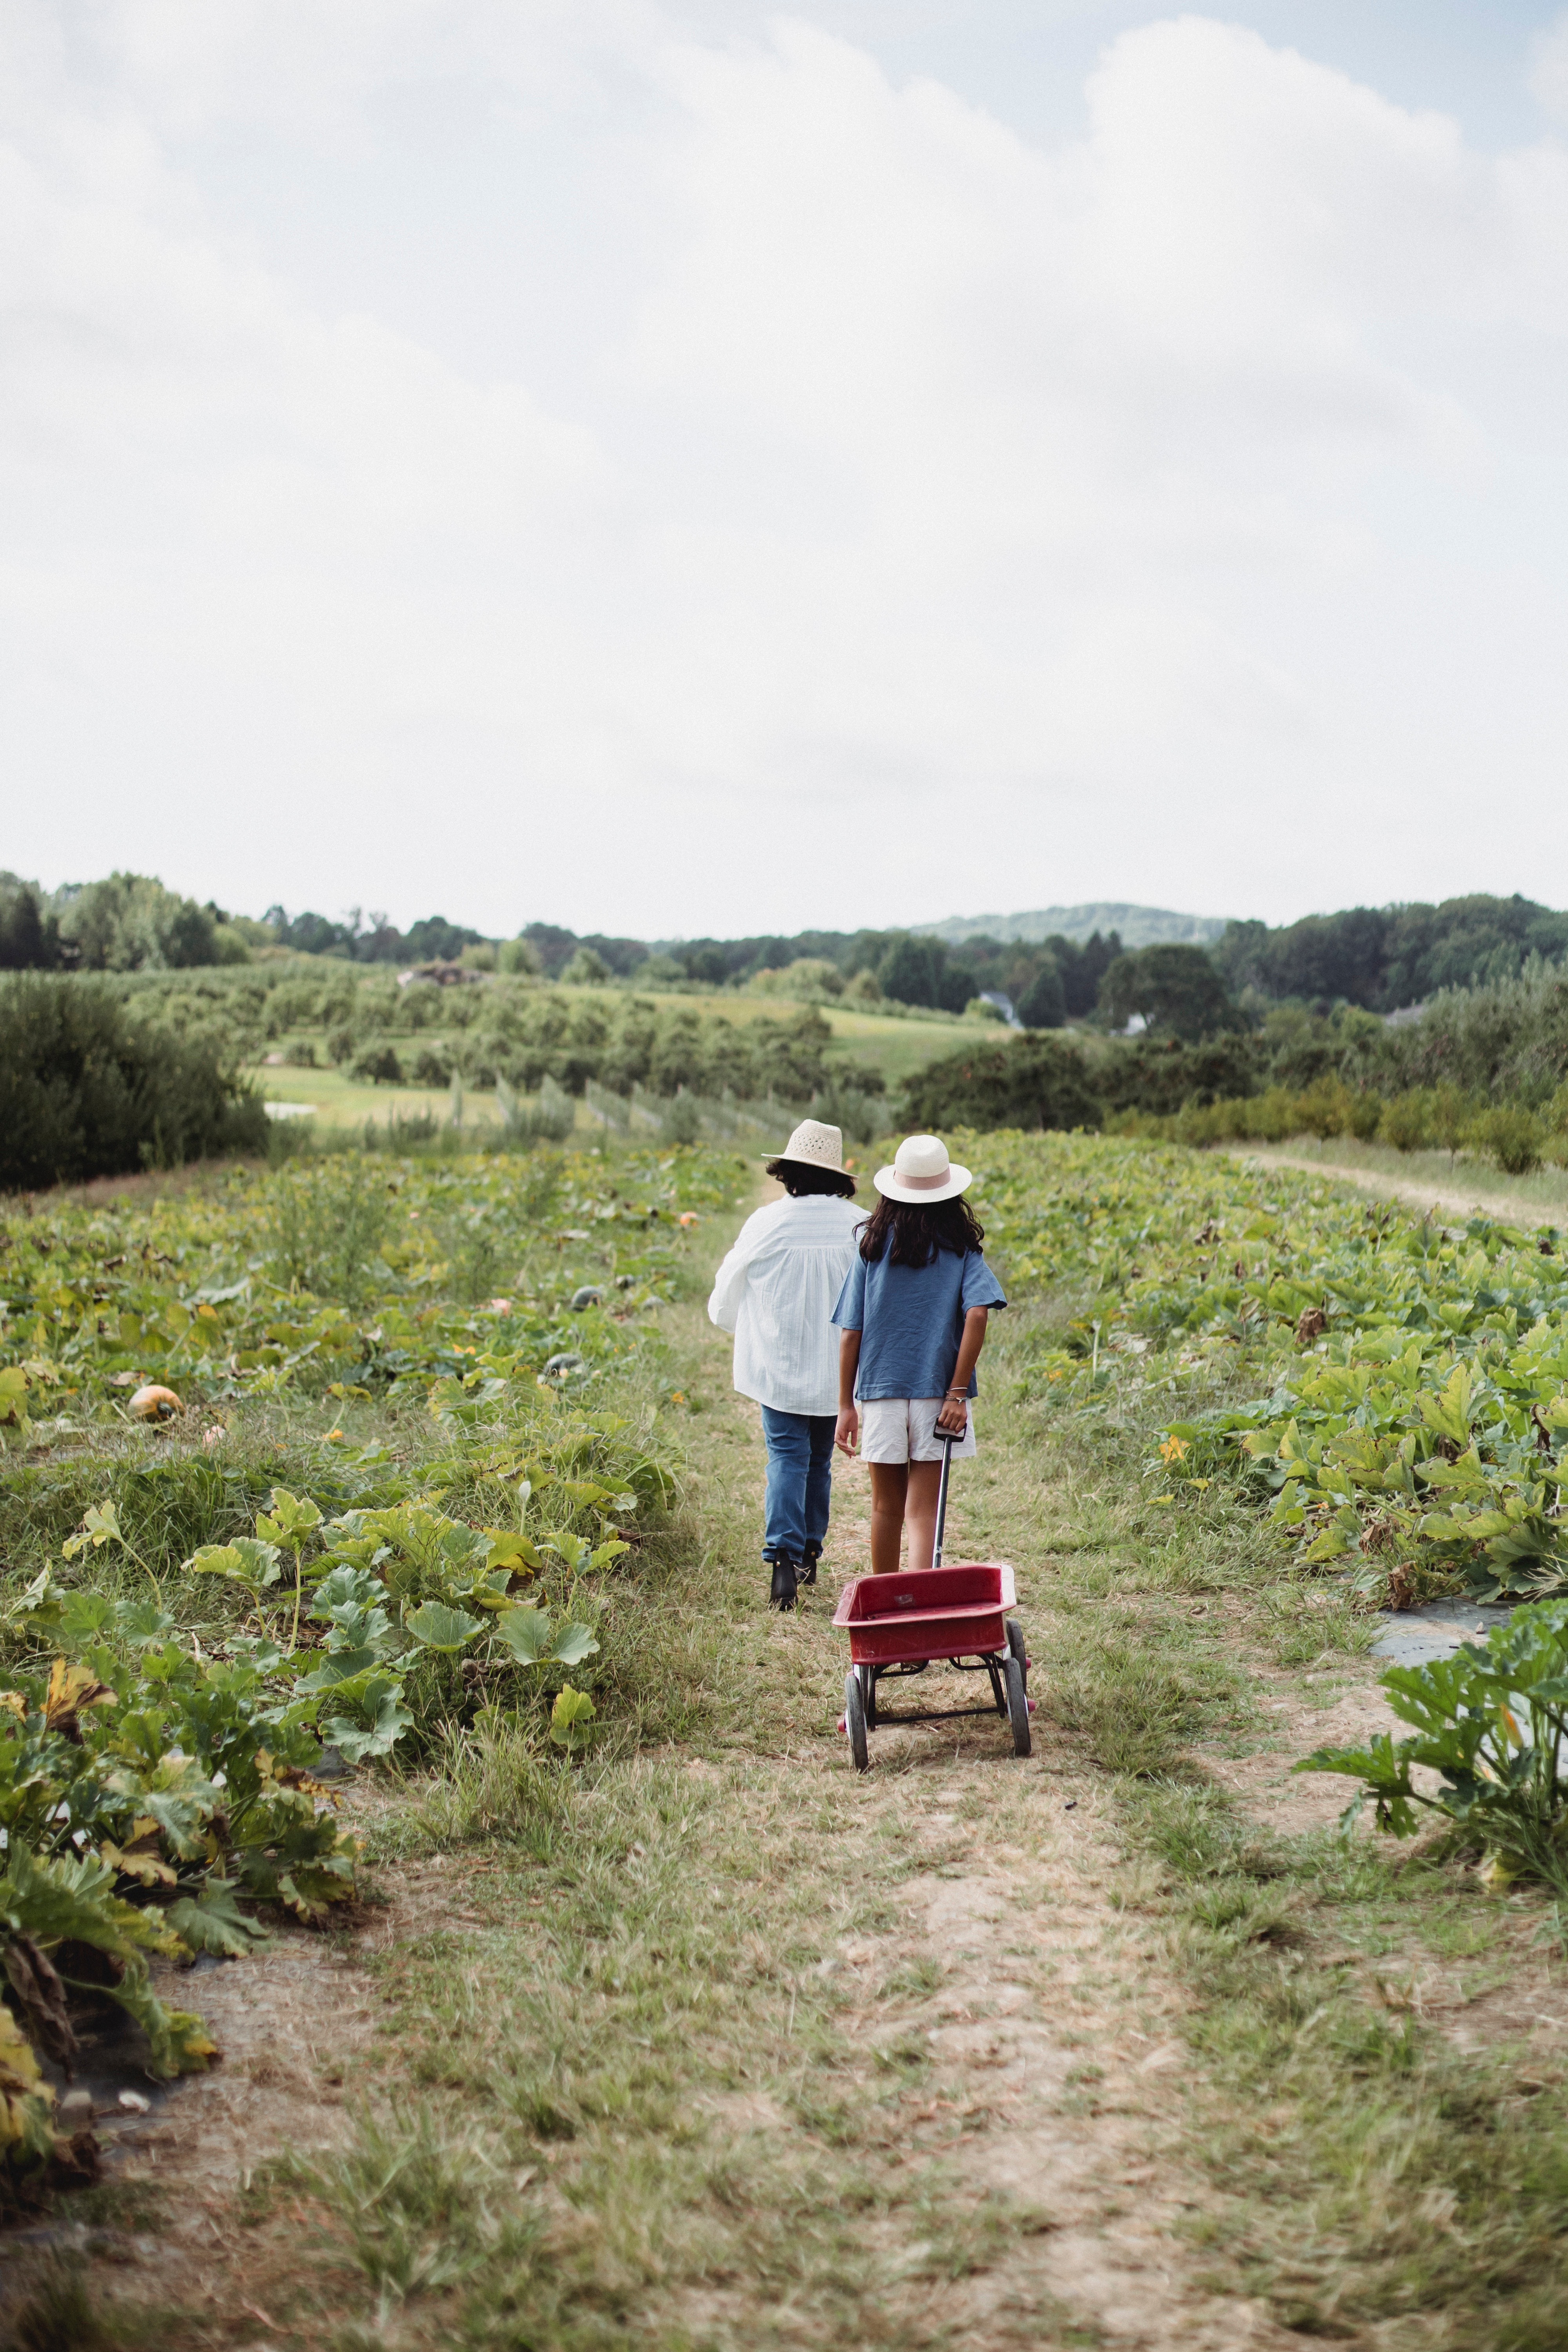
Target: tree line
(1379,959)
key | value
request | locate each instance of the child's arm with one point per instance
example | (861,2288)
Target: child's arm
(846,1435)
(954,1413)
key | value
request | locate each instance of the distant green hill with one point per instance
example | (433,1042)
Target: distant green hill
(1140,927)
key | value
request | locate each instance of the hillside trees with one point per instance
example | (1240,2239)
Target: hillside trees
(917,970)
(1175,989)
(1043,1004)
(130,922)
(29,934)
(1384,957)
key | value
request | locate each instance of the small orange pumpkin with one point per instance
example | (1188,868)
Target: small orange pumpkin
(152,1403)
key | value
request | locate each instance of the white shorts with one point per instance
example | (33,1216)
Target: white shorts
(903,1429)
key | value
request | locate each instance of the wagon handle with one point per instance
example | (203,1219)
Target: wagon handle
(947,1444)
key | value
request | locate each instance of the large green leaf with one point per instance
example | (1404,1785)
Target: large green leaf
(244,1561)
(572,1644)
(382,1720)
(526,1633)
(440,1628)
(212,1922)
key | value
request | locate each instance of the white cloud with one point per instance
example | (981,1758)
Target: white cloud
(1548,71)
(1024,524)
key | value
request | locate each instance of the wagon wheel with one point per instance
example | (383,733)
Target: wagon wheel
(1016,1647)
(855,1721)
(869,1693)
(1017,1706)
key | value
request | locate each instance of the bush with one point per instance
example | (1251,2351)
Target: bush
(587,969)
(808,979)
(432,1066)
(1267,1118)
(1162,1075)
(1511,1136)
(858,1113)
(1039,1082)
(1331,1107)
(379,1064)
(1407,1121)
(86,1091)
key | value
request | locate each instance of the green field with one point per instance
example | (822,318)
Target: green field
(594,1998)
(338,1100)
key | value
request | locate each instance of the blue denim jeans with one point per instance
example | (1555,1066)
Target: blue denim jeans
(800,1479)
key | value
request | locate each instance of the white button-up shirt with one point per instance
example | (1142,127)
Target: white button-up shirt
(777,1291)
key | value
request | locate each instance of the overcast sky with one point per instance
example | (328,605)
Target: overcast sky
(681,470)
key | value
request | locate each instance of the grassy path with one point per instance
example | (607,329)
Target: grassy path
(1424,1180)
(711,2044)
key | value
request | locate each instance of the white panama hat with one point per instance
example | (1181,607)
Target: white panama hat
(921,1171)
(815,1145)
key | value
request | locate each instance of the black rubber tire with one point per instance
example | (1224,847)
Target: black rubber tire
(855,1722)
(1015,1648)
(868,1693)
(1017,1706)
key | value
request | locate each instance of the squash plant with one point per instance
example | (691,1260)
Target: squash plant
(1491,1721)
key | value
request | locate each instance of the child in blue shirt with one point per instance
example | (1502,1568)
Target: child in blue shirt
(912,1314)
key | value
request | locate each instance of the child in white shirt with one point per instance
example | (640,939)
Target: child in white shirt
(776,1292)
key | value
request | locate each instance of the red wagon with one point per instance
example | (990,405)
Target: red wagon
(899,1624)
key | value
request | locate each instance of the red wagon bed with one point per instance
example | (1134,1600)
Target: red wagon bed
(936,1613)
(898,1624)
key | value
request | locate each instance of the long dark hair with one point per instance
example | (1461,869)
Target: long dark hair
(799,1178)
(911,1233)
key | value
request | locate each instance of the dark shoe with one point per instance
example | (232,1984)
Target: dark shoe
(783,1594)
(808,1561)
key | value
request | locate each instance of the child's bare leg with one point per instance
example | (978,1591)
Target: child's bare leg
(919,1511)
(888,1480)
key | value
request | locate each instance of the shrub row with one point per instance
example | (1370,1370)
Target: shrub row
(1421,1118)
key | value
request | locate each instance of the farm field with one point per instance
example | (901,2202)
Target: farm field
(894,1047)
(337,1100)
(666,2028)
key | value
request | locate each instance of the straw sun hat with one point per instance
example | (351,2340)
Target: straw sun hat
(815,1145)
(921,1171)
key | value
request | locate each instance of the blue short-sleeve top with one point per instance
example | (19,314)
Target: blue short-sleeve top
(910,1320)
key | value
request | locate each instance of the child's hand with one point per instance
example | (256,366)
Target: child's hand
(953,1416)
(846,1435)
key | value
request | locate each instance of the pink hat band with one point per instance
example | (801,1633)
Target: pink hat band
(926,1184)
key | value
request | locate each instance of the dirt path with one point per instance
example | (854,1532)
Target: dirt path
(1058,2075)
(1413,1194)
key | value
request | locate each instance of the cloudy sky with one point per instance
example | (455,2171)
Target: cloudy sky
(706,470)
